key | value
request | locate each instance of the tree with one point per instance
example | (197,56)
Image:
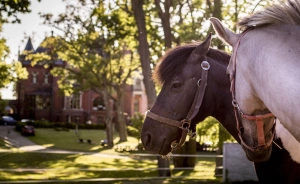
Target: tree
(98,46)
(143,49)
(13,71)
(10,9)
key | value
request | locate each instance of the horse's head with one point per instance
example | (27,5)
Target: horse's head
(181,71)
(254,121)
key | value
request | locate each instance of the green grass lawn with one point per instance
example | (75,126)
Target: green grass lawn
(14,166)
(68,140)
(70,166)
(76,166)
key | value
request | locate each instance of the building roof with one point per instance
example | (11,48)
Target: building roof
(40,49)
(29,45)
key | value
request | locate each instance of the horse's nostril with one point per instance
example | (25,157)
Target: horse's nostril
(147,140)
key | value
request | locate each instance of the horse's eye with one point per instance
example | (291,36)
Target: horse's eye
(176,86)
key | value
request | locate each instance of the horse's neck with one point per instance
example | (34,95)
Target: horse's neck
(223,110)
(224,113)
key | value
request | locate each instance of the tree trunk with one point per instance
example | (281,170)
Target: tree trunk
(109,124)
(109,116)
(164,166)
(165,20)
(191,150)
(121,120)
(143,49)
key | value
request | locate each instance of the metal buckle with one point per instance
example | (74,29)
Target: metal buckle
(236,105)
(174,144)
(184,123)
(192,134)
(205,65)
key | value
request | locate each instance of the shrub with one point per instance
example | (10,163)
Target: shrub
(133,131)
(210,130)
(60,125)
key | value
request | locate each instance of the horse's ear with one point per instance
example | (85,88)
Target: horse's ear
(200,50)
(224,33)
(205,45)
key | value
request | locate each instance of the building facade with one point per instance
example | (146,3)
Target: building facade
(39,97)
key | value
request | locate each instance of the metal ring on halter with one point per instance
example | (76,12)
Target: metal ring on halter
(185,124)
(198,82)
(205,67)
(234,103)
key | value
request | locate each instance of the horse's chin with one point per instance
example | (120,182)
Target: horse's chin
(160,149)
(258,156)
(165,151)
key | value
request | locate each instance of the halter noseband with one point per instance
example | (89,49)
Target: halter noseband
(186,123)
(262,144)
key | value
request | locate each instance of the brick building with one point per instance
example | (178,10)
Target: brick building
(39,97)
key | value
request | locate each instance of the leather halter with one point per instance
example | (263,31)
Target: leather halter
(262,144)
(186,123)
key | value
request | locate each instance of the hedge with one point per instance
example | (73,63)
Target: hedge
(46,124)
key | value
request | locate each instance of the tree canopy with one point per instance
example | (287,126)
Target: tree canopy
(9,13)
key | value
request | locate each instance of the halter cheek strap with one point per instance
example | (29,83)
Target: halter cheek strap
(259,119)
(186,123)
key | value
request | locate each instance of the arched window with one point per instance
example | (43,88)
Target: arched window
(98,103)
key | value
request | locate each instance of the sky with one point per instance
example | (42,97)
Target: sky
(31,25)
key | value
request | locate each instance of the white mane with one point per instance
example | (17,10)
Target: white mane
(287,12)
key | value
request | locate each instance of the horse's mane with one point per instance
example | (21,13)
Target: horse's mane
(176,57)
(287,12)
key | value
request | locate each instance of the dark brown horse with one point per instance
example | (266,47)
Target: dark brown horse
(179,73)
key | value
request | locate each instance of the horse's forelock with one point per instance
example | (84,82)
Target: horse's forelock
(173,59)
(178,56)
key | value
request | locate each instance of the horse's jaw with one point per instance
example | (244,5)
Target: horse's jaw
(258,155)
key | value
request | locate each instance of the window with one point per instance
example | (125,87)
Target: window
(42,102)
(76,119)
(46,79)
(138,85)
(100,120)
(34,77)
(73,101)
(73,119)
(37,102)
(98,104)
(136,104)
